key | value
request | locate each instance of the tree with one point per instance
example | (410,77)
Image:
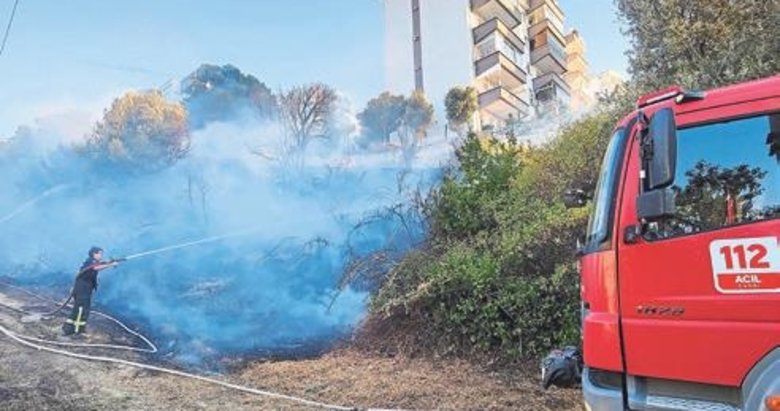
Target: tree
(418,115)
(306,112)
(220,93)
(383,116)
(700,43)
(461,104)
(142,131)
(417,118)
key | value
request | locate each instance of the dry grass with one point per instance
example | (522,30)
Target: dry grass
(30,379)
(365,380)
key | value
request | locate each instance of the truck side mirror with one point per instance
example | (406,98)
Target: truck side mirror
(655,205)
(659,152)
(659,164)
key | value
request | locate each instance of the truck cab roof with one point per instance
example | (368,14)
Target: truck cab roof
(686,101)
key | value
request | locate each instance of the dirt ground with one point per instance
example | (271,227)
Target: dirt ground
(36,380)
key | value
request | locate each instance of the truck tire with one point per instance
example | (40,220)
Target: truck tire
(763,380)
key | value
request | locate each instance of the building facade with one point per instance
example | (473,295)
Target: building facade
(513,52)
(548,56)
(577,73)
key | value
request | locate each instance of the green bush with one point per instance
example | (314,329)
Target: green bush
(463,206)
(498,273)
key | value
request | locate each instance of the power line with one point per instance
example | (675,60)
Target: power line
(8,27)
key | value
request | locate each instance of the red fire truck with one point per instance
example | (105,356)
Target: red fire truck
(681,266)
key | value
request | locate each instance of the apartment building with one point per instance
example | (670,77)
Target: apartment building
(577,73)
(513,52)
(548,56)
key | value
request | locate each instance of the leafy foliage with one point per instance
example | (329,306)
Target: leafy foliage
(394,115)
(416,119)
(418,115)
(571,160)
(383,116)
(498,275)
(485,174)
(141,131)
(220,93)
(700,43)
(461,104)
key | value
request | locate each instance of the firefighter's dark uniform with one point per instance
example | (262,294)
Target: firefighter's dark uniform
(86,283)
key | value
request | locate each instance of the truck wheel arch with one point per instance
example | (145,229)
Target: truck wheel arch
(762,380)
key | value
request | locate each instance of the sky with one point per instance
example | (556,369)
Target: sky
(72,58)
(597,23)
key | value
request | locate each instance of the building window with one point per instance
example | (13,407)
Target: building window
(512,52)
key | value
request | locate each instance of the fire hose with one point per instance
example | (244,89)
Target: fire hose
(37,343)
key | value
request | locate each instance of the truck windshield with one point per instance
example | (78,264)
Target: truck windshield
(600,225)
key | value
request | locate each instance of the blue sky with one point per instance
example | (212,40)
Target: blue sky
(596,20)
(63,55)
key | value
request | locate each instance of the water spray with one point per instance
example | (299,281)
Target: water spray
(187,244)
(22,208)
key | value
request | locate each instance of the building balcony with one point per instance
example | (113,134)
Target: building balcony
(553,6)
(546,27)
(549,57)
(502,104)
(552,93)
(497,68)
(510,12)
(552,80)
(495,25)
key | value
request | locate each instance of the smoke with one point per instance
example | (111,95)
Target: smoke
(268,285)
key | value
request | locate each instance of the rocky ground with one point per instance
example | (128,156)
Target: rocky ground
(36,380)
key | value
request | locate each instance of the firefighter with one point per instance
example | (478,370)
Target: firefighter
(85,284)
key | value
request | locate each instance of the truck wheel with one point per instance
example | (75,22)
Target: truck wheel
(762,381)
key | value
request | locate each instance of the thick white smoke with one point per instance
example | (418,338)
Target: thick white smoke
(269,287)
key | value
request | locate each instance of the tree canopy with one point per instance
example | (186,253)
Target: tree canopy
(418,115)
(142,131)
(700,43)
(220,93)
(406,117)
(382,116)
(461,104)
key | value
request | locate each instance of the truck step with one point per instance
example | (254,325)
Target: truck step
(655,402)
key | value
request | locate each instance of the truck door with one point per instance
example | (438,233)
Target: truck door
(700,293)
